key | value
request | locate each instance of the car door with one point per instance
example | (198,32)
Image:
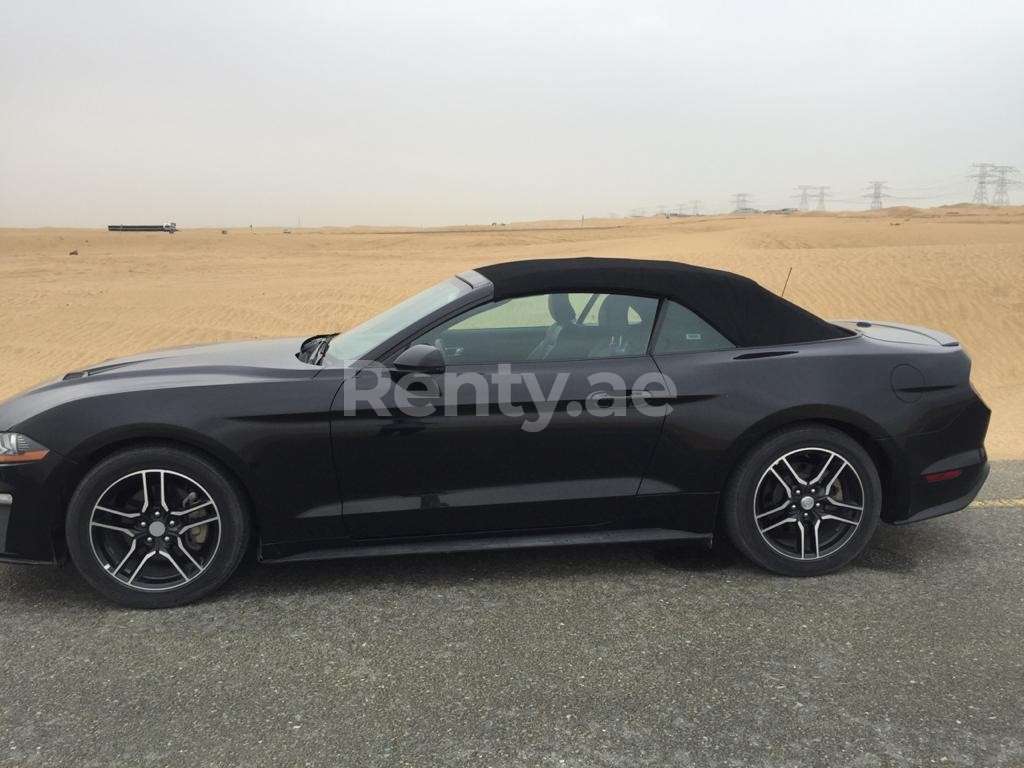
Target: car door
(714,404)
(538,421)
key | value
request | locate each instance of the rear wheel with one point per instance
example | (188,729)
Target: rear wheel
(154,527)
(804,502)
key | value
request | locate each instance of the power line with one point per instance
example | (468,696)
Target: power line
(993,182)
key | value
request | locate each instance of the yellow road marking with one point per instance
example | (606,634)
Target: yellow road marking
(997,503)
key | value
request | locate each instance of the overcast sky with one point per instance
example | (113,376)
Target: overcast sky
(442,112)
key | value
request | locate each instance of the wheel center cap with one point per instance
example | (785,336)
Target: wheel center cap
(156,528)
(807,503)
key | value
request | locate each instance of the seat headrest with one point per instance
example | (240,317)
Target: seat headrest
(614,312)
(561,309)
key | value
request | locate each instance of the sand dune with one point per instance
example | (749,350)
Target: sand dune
(957,268)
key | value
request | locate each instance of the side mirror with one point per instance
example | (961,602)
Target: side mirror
(421,357)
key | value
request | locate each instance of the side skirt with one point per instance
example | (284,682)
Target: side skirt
(478,544)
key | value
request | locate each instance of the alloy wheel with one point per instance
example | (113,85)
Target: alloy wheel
(809,503)
(155,530)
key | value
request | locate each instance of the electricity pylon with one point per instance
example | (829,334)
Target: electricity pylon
(981,176)
(876,193)
(823,192)
(1003,183)
(805,192)
(741,201)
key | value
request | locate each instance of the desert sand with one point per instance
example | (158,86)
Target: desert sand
(957,268)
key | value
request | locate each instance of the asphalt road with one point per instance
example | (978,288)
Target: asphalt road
(610,656)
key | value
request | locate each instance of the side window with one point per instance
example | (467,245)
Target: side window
(683,331)
(524,312)
(589,312)
(551,326)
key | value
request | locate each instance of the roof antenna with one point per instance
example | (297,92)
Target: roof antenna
(786,284)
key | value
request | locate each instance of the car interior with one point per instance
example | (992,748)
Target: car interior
(570,327)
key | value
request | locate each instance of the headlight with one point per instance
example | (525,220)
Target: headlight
(18,449)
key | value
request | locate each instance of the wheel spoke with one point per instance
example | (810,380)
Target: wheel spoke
(843,504)
(801,527)
(776,525)
(835,477)
(824,468)
(188,554)
(839,519)
(167,556)
(110,511)
(817,541)
(783,483)
(792,471)
(128,554)
(145,491)
(197,523)
(142,562)
(119,529)
(190,510)
(779,508)
(163,490)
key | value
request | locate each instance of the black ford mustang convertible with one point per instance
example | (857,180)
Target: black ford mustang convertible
(525,404)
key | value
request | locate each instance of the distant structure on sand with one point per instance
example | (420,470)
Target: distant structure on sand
(170,228)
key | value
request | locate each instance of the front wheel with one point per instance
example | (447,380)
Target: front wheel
(804,502)
(155,527)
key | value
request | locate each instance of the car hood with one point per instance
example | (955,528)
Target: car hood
(180,367)
(261,355)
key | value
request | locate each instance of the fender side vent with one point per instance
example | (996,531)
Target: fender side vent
(932,388)
(760,355)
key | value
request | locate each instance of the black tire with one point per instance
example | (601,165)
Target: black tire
(773,539)
(158,471)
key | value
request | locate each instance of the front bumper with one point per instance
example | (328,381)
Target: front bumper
(32,501)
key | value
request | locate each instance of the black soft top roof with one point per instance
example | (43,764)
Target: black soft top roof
(739,308)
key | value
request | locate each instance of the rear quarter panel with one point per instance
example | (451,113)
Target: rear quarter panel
(730,400)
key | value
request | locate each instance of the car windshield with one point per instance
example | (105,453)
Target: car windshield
(357,343)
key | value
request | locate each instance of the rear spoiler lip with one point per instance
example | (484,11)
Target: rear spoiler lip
(937,337)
